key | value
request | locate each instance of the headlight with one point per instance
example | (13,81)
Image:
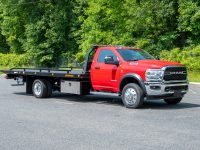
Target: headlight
(154,74)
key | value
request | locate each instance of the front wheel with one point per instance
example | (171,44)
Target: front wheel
(173,101)
(132,96)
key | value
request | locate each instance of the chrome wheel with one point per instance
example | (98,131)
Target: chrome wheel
(37,88)
(130,96)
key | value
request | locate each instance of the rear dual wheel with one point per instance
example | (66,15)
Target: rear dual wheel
(42,88)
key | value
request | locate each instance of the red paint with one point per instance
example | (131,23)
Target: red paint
(107,77)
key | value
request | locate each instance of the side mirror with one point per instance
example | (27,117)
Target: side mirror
(110,60)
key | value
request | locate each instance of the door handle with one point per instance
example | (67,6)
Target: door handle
(97,67)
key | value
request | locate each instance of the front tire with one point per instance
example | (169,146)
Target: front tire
(173,101)
(132,96)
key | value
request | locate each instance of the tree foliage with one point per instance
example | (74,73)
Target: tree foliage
(47,29)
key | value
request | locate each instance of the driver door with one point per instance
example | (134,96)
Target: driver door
(104,76)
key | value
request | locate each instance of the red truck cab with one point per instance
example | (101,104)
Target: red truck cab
(135,74)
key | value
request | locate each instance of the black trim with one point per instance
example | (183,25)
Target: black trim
(85,66)
(29,83)
(73,74)
(136,77)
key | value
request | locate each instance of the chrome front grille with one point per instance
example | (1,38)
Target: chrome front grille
(175,73)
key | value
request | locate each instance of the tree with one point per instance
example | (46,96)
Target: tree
(103,23)
(12,24)
(4,48)
(189,22)
(40,28)
(47,29)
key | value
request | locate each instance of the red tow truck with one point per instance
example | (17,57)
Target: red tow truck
(131,72)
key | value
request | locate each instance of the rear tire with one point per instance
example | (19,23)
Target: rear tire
(132,96)
(173,101)
(40,88)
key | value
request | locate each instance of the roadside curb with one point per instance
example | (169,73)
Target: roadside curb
(197,83)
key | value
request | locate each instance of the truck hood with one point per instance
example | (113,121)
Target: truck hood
(154,64)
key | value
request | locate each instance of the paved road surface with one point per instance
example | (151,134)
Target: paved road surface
(95,122)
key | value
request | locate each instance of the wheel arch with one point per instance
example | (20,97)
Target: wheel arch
(132,78)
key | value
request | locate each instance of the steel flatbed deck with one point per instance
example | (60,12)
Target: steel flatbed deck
(68,73)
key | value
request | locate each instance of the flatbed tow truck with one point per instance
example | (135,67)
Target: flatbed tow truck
(131,72)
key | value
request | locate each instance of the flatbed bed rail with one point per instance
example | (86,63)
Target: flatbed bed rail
(68,72)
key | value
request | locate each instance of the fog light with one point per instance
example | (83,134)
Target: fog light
(155,87)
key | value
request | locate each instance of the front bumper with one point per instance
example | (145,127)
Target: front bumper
(166,89)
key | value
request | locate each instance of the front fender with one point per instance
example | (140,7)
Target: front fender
(136,77)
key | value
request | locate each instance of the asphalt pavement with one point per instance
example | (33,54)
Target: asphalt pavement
(95,122)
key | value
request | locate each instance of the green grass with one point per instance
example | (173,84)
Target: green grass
(194,76)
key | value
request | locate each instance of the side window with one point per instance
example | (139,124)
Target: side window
(104,53)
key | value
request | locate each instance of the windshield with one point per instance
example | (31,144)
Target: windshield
(134,55)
